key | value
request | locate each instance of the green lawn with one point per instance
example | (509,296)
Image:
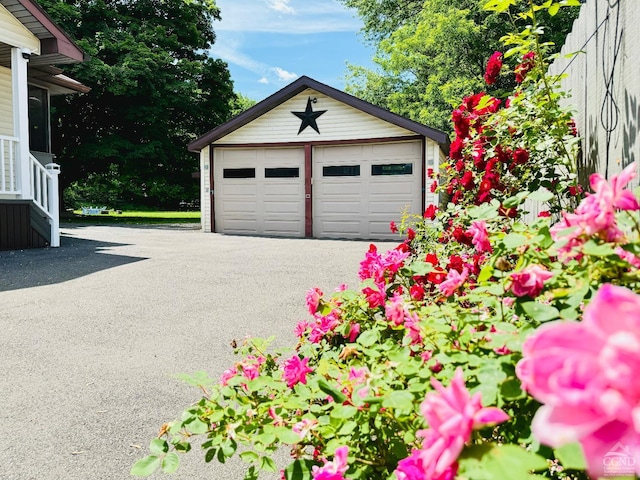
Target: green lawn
(132,217)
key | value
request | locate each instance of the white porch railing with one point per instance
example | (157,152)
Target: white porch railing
(8,181)
(43,181)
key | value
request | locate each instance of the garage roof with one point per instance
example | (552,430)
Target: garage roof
(300,85)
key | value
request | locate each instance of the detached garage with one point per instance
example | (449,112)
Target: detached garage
(312,161)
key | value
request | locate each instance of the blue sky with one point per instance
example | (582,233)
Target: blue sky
(270,43)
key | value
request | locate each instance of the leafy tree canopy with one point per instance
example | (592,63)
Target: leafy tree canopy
(154,88)
(432,53)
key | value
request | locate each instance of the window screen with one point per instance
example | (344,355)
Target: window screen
(341,171)
(392,169)
(284,172)
(239,173)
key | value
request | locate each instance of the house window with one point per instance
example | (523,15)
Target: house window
(341,171)
(239,173)
(392,169)
(284,172)
(39,120)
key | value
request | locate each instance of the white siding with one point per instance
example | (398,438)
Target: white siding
(6,102)
(339,122)
(14,33)
(205,192)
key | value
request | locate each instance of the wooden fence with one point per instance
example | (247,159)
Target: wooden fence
(604,84)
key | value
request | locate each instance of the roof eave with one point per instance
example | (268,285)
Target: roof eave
(300,85)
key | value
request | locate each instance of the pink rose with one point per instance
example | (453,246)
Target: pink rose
(454,281)
(480,236)
(295,370)
(529,281)
(313,299)
(585,374)
(452,414)
(333,470)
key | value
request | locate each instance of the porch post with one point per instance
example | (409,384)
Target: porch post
(19,60)
(54,206)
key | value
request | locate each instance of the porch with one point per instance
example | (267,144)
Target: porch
(29,216)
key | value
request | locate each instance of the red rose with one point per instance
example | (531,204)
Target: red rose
(503,154)
(520,156)
(455,149)
(417,292)
(478,154)
(456,197)
(544,214)
(393,227)
(467,180)
(432,258)
(493,68)
(455,263)
(459,166)
(528,61)
(434,186)
(411,233)
(430,212)
(436,277)
(460,123)
(461,236)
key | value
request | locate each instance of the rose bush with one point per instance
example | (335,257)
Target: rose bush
(481,347)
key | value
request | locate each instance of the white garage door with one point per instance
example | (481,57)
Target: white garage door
(359,189)
(259,191)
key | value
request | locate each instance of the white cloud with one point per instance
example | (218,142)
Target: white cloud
(285,76)
(280,6)
(311,16)
(229,50)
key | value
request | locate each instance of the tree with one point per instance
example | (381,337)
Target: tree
(154,89)
(431,54)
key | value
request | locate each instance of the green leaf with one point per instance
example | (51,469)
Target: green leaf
(571,456)
(369,338)
(343,412)
(541,195)
(159,446)
(511,389)
(512,462)
(170,463)
(595,250)
(299,470)
(267,464)
(348,428)
(286,435)
(539,311)
(514,240)
(499,6)
(249,457)
(197,426)
(553,9)
(337,395)
(421,268)
(146,466)
(400,400)
(485,274)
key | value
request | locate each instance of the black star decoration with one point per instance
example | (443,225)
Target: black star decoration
(308,117)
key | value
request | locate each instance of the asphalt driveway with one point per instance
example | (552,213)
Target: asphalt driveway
(92,333)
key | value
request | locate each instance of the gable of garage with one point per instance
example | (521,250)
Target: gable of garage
(265,173)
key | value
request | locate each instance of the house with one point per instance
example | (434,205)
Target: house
(313,161)
(30,43)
